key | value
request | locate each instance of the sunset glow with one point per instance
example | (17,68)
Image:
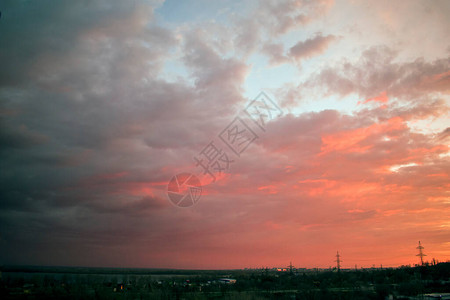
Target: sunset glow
(103,102)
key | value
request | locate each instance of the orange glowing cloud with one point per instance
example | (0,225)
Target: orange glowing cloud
(382,98)
(269,189)
(348,141)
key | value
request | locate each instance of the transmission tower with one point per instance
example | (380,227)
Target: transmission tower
(291,268)
(338,261)
(421,254)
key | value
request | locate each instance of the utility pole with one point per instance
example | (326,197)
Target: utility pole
(421,254)
(338,261)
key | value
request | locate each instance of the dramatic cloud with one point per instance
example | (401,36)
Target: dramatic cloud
(103,102)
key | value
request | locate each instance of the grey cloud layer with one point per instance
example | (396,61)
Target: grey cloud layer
(91,130)
(88,125)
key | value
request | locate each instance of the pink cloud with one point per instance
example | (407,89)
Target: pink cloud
(382,98)
(376,75)
(351,140)
(310,47)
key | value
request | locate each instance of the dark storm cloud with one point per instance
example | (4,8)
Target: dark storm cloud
(74,105)
(19,137)
(30,28)
(90,134)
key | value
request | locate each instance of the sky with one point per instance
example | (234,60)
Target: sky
(311,126)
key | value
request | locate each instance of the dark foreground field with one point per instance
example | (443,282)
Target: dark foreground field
(101,283)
